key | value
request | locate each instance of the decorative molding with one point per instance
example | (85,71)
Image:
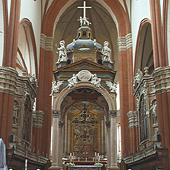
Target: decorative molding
(161,76)
(84,76)
(140,155)
(125,42)
(38,119)
(8,79)
(46,42)
(56,113)
(133,119)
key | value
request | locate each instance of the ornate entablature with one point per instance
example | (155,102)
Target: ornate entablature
(145,117)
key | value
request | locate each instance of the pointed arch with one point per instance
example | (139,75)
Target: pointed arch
(30,45)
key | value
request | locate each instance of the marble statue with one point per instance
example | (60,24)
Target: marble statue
(62,52)
(56,86)
(84,21)
(137,78)
(72,81)
(3,165)
(112,86)
(106,51)
(95,80)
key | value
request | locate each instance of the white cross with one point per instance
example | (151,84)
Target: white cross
(84,9)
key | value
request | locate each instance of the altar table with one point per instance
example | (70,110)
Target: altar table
(84,167)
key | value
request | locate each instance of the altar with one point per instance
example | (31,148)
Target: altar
(84,167)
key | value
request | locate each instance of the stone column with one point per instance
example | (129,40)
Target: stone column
(113,140)
(65,135)
(108,142)
(55,141)
(69,136)
(102,137)
(61,123)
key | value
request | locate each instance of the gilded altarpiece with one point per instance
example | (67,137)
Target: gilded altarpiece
(85,130)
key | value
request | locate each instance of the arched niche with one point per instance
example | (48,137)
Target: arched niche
(144,48)
(102,93)
(26,51)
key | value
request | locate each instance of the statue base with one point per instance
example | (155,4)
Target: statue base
(61,64)
(108,64)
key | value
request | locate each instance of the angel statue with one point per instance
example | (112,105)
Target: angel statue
(56,86)
(106,51)
(62,52)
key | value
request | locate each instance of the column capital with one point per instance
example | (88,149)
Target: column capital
(56,113)
(113,113)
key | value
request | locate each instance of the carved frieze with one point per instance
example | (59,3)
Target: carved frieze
(8,79)
(38,119)
(133,119)
(84,76)
(161,76)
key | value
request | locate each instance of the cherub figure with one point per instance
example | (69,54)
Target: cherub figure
(106,51)
(95,80)
(62,52)
(72,81)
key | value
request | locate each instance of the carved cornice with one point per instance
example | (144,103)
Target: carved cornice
(8,79)
(161,76)
(133,119)
(56,113)
(38,119)
(46,42)
(125,42)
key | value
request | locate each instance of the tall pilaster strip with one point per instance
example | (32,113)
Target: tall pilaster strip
(161,76)
(46,42)
(125,42)
(8,79)
(133,119)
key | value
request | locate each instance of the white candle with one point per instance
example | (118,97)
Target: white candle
(26,164)
(98,154)
(70,154)
(93,159)
(73,153)
(95,153)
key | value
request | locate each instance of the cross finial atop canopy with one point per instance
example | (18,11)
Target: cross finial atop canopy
(84,9)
